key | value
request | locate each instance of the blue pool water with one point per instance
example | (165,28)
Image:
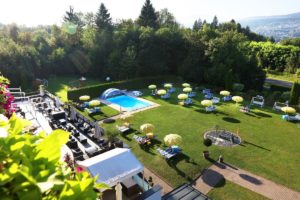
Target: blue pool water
(128,103)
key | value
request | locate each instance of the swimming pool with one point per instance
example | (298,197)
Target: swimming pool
(128,103)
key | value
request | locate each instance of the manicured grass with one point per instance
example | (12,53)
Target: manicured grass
(229,190)
(270,145)
(59,85)
(284,77)
(106,112)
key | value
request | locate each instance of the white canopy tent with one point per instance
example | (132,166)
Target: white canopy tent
(113,167)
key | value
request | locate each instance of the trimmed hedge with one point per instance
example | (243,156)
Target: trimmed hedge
(132,84)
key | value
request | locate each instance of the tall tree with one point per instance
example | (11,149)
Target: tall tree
(214,23)
(148,16)
(71,16)
(166,19)
(103,19)
(197,25)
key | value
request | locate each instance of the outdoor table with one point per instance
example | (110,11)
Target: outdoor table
(130,187)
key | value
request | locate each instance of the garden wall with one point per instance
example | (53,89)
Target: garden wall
(132,84)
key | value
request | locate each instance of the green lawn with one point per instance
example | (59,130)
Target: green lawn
(229,190)
(284,77)
(59,85)
(106,112)
(270,148)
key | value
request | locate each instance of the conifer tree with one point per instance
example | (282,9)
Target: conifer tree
(103,19)
(148,16)
(197,25)
(215,22)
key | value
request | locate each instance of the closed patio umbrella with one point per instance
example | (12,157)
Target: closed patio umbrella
(57,102)
(152,87)
(172,139)
(168,85)
(186,85)
(73,115)
(94,103)
(147,128)
(288,110)
(206,103)
(225,93)
(161,92)
(187,89)
(84,98)
(182,96)
(150,135)
(98,131)
(237,99)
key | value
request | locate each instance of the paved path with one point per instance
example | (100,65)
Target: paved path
(245,179)
(279,82)
(158,180)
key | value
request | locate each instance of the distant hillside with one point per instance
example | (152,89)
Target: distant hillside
(279,26)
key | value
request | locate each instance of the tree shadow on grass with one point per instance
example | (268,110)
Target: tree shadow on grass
(217,112)
(175,160)
(250,179)
(250,114)
(261,114)
(231,120)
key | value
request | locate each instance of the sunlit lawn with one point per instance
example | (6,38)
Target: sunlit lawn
(59,85)
(106,112)
(229,190)
(284,77)
(270,148)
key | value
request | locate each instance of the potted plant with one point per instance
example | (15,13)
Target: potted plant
(207,142)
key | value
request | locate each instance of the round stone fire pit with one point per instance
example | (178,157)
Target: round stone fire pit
(223,138)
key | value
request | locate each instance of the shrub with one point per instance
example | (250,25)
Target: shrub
(298,73)
(207,142)
(96,90)
(30,167)
(238,87)
(285,96)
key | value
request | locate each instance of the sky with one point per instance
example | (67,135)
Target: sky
(47,12)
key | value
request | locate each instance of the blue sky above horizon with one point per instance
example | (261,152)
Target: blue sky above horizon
(37,12)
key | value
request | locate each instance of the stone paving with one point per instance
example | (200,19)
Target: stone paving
(252,182)
(158,181)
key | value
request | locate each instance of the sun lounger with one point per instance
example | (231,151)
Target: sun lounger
(291,118)
(192,94)
(141,140)
(210,108)
(167,154)
(227,98)
(188,101)
(166,96)
(171,90)
(122,129)
(215,100)
(206,91)
(93,110)
(208,96)
(137,93)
